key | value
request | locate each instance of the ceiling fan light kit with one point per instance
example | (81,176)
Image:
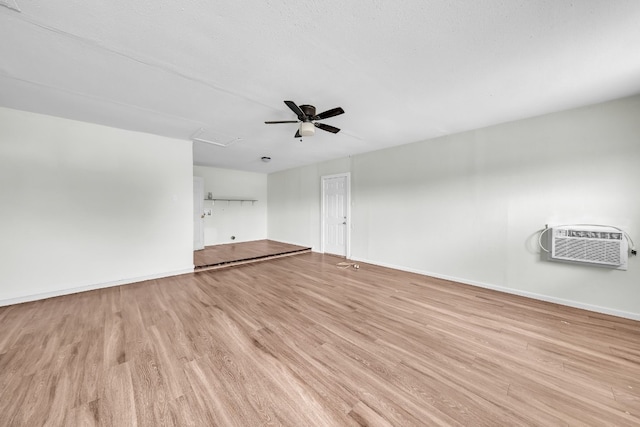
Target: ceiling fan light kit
(307,118)
(307,129)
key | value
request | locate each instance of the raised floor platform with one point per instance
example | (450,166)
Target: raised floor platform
(230,254)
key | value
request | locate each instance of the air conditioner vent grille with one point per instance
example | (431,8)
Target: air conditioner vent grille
(595,245)
(607,252)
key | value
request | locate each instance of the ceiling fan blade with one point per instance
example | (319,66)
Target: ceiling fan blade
(329,113)
(292,105)
(284,121)
(297,135)
(327,127)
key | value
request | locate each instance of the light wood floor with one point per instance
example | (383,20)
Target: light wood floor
(236,253)
(298,342)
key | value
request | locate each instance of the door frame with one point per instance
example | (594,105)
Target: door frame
(198,203)
(323,178)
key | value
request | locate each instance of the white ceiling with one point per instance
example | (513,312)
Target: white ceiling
(403,71)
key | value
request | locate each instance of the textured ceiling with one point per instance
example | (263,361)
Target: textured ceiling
(403,71)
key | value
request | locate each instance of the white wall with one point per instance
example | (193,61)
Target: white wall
(246,221)
(467,206)
(87,206)
(294,203)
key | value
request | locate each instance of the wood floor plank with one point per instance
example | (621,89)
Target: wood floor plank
(237,252)
(297,341)
(366,416)
(393,404)
(85,415)
(117,398)
(320,381)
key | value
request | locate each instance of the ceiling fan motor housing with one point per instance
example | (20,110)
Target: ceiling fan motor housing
(308,110)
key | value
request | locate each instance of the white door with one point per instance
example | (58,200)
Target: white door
(198,213)
(335,214)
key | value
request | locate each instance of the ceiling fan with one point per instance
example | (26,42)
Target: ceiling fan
(307,118)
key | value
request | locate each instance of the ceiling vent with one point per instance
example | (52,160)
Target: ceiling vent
(209,137)
(11,4)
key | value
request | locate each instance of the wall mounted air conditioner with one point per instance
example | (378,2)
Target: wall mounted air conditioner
(595,245)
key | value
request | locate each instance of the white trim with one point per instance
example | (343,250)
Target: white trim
(533,295)
(35,297)
(347,175)
(198,204)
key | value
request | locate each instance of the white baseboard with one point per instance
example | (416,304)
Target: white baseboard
(57,293)
(541,297)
